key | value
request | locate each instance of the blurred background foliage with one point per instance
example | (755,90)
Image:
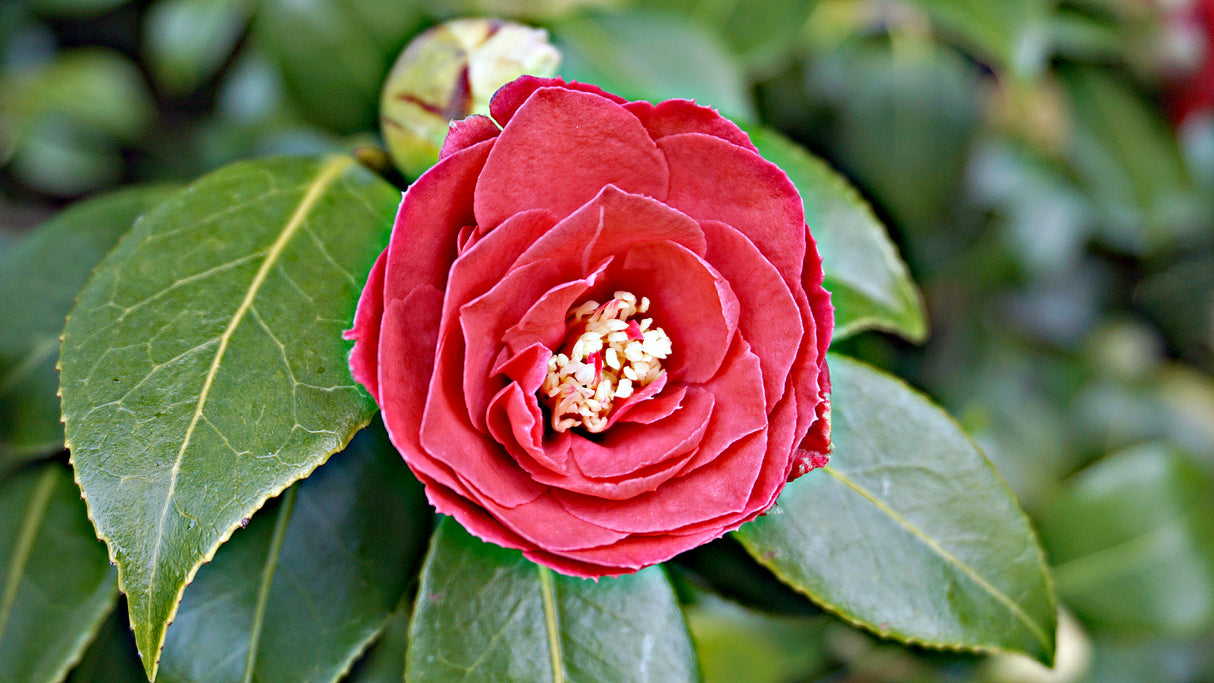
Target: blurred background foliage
(1045,166)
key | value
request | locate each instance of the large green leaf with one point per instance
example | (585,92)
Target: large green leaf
(36,293)
(868,282)
(203,369)
(332,557)
(651,56)
(56,583)
(1132,546)
(486,613)
(909,532)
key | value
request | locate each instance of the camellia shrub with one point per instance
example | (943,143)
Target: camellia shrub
(559,379)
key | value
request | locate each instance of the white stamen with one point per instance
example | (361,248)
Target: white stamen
(581,388)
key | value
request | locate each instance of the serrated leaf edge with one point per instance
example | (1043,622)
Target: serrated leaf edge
(152,663)
(833,608)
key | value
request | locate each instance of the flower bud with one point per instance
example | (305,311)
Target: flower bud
(449,72)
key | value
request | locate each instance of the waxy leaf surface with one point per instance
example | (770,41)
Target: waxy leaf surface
(39,280)
(909,531)
(486,613)
(203,369)
(324,566)
(868,282)
(56,585)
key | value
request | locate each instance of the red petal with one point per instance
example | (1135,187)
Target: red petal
(466,133)
(364,357)
(757,199)
(511,96)
(770,321)
(559,150)
(673,117)
(433,211)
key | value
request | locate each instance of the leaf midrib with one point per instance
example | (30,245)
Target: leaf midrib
(948,557)
(35,513)
(551,624)
(327,174)
(267,580)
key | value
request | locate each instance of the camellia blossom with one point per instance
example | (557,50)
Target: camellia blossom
(598,333)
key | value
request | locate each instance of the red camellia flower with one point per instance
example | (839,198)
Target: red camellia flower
(598,333)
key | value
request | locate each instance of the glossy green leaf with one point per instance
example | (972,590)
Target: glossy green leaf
(187,40)
(909,532)
(650,56)
(331,557)
(112,656)
(36,293)
(486,613)
(384,662)
(55,583)
(203,369)
(1131,543)
(334,56)
(868,281)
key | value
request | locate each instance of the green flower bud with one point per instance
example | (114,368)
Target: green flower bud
(449,72)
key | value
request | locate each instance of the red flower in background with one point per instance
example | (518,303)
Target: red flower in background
(598,334)
(1192,91)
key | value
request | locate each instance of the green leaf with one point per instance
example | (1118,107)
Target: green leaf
(739,644)
(1131,543)
(187,40)
(111,657)
(78,9)
(1130,162)
(334,56)
(385,660)
(56,583)
(1012,35)
(760,33)
(332,557)
(651,56)
(868,282)
(203,369)
(36,293)
(486,613)
(909,532)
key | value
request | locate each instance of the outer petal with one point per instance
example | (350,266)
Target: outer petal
(673,117)
(559,150)
(758,199)
(511,96)
(467,132)
(433,211)
(364,357)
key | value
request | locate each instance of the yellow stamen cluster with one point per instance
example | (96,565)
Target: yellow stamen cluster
(610,357)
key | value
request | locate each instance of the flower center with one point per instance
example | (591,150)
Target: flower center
(607,356)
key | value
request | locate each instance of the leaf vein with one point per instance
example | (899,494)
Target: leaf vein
(948,557)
